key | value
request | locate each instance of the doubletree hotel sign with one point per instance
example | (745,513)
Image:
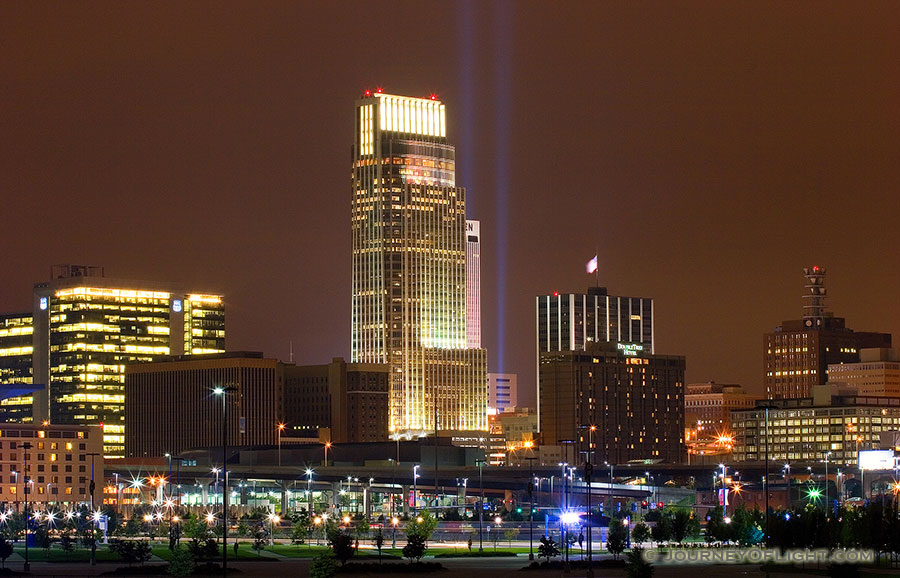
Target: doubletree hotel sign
(630,349)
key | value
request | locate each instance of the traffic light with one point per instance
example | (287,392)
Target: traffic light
(518,510)
(659,505)
(644,504)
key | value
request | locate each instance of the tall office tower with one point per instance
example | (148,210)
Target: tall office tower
(409,266)
(87,327)
(473,284)
(503,392)
(798,352)
(573,321)
(15,367)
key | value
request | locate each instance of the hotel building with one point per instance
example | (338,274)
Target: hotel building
(86,328)
(409,271)
(575,321)
(797,354)
(635,400)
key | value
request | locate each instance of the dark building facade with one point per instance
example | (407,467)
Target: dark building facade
(797,354)
(634,399)
(170,405)
(349,399)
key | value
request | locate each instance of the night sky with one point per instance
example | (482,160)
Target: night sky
(708,150)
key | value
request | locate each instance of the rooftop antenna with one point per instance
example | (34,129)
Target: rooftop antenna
(292,350)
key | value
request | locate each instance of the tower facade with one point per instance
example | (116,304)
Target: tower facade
(473,283)
(797,354)
(408,230)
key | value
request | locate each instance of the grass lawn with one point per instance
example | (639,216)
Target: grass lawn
(60,555)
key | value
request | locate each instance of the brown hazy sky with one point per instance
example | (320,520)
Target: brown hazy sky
(709,150)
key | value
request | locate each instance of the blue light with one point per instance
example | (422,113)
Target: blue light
(43,303)
(176,305)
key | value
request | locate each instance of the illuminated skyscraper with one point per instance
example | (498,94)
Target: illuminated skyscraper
(86,327)
(473,283)
(409,266)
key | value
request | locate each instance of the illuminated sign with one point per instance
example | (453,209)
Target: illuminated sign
(43,303)
(631,349)
(176,305)
(876,459)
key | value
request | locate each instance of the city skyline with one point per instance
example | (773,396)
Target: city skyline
(708,154)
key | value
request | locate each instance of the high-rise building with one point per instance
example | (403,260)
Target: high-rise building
(634,400)
(86,328)
(15,367)
(574,321)
(707,417)
(797,354)
(473,284)
(408,302)
(877,373)
(503,392)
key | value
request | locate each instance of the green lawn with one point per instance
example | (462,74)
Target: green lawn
(60,555)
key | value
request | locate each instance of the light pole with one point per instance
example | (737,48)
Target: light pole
(26,446)
(224,391)
(309,474)
(93,513)
(530,506)
(827,505)
(415,489)
(480,464)
(327,445)
(280,429)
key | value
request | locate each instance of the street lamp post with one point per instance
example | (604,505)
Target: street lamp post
(93,513)
(827,505)
(327,445)
(530,506)
(280,429)
(480,464)
(415,489)
(224,391)
(26,446)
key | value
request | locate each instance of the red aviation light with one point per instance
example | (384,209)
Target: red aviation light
(378,90)
(433,96)
(556,293)
(368,93)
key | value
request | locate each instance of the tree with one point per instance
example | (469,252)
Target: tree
(299,531)
(716,528)
(510,535)
(636,566)
(194,528)
(548,548)
(6,550)
(66,542)
(640,533)
(681,520)
(662,530)
(618,535)
(424,526)
(379,542)
(415,547)
(203,551)
(260,539)
(362,528)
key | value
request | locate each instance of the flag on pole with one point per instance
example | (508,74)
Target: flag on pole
(592,265)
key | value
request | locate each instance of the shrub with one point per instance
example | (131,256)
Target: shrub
(548,548)
(323,566)
(182,563)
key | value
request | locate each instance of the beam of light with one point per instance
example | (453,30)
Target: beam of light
(503,102)
(467,23)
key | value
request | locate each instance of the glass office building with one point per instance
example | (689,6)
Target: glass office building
(409,266)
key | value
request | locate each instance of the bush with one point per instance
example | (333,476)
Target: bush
(132,551)
(636,566)
(618,535)
(323,566)
(548,548)
(182,563)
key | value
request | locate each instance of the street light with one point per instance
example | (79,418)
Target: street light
(827,506)
(280,429)
(480,464)
(94,518)
(26,446)
(224,391)
(531,506)
(327,445)
(415,490)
